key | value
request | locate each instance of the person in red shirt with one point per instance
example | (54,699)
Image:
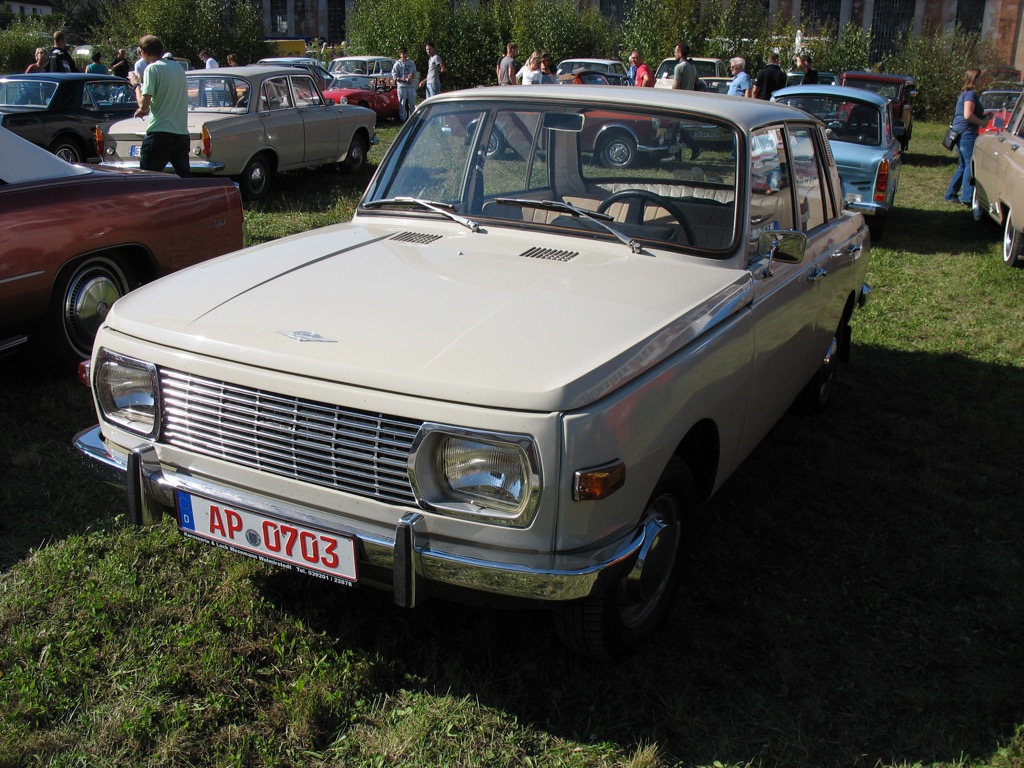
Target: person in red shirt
(644,76)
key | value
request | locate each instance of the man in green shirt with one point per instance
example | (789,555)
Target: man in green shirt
(163,97)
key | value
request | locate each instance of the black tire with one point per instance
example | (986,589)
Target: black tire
(81,299)
(69,149)
(355,160)
(611,625)
(815,396)
(1012,244)
(255,180)
(496,144)
(979,214)
(617,151)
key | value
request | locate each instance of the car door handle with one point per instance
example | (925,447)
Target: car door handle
(847,250)
(816,274)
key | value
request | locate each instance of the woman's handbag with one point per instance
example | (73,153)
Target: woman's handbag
(951,138)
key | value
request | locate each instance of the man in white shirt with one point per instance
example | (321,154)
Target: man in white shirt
(211,63)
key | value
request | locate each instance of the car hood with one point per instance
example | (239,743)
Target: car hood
(446,314)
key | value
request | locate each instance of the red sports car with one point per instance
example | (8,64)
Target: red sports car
(376,93)
(75,238)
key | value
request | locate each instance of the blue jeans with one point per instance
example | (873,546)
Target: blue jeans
(960,185)
(432,89)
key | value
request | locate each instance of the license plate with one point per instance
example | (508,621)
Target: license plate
(135,150)
(306,550)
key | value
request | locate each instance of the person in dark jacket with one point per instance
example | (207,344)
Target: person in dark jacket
(60,59)
(770,79)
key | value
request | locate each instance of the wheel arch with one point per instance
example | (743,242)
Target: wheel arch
(136,260)
(701,450)
(85,149)
(609,132)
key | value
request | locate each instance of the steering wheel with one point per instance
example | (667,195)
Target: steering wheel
(634,212)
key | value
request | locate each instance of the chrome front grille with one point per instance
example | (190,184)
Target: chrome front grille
(359,452)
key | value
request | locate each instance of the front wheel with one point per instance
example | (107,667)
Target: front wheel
(1012,243)
(614,623)
(978,212)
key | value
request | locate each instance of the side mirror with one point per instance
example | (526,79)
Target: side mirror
(785,245)
(330,102)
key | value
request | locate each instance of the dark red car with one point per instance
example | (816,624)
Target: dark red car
(75,238)
(899,89)
(376,93)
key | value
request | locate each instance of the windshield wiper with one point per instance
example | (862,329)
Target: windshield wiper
(600,219)
(444,209)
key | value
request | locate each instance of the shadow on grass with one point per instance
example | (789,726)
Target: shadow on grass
(856,596)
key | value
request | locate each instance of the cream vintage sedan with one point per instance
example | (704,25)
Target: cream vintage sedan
(250,123)
(997,170)
(510,377)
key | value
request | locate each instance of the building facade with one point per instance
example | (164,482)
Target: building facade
(997,20)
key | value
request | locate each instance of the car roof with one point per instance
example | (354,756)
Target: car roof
(880,76)
(835,91)
(290,60)
(591,61)
(72,76)
(251,71)
(745,113)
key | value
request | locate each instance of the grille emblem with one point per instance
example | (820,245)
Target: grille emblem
(307,336)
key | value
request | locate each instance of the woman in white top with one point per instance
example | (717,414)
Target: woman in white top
(530,74)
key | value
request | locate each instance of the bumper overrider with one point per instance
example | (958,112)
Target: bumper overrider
(407,552)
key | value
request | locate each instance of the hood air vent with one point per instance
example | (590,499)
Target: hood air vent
(416,237)
(550,254)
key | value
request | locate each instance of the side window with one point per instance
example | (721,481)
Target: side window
(771,195)
(807,178)
(306,94)
(274,95)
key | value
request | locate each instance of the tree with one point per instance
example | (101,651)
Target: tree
(187,27)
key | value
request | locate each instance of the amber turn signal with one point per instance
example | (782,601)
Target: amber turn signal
(599,482)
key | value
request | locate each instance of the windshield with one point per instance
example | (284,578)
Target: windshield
(353,82)
(999,99)
(854,122)
(890,91)
(658,179)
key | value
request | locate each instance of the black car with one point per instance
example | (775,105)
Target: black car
(58,110)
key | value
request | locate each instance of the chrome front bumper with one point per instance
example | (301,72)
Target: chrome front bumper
(407,551)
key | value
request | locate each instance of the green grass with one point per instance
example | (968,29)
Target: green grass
(856,598)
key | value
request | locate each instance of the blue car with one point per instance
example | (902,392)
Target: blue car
(863,138)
